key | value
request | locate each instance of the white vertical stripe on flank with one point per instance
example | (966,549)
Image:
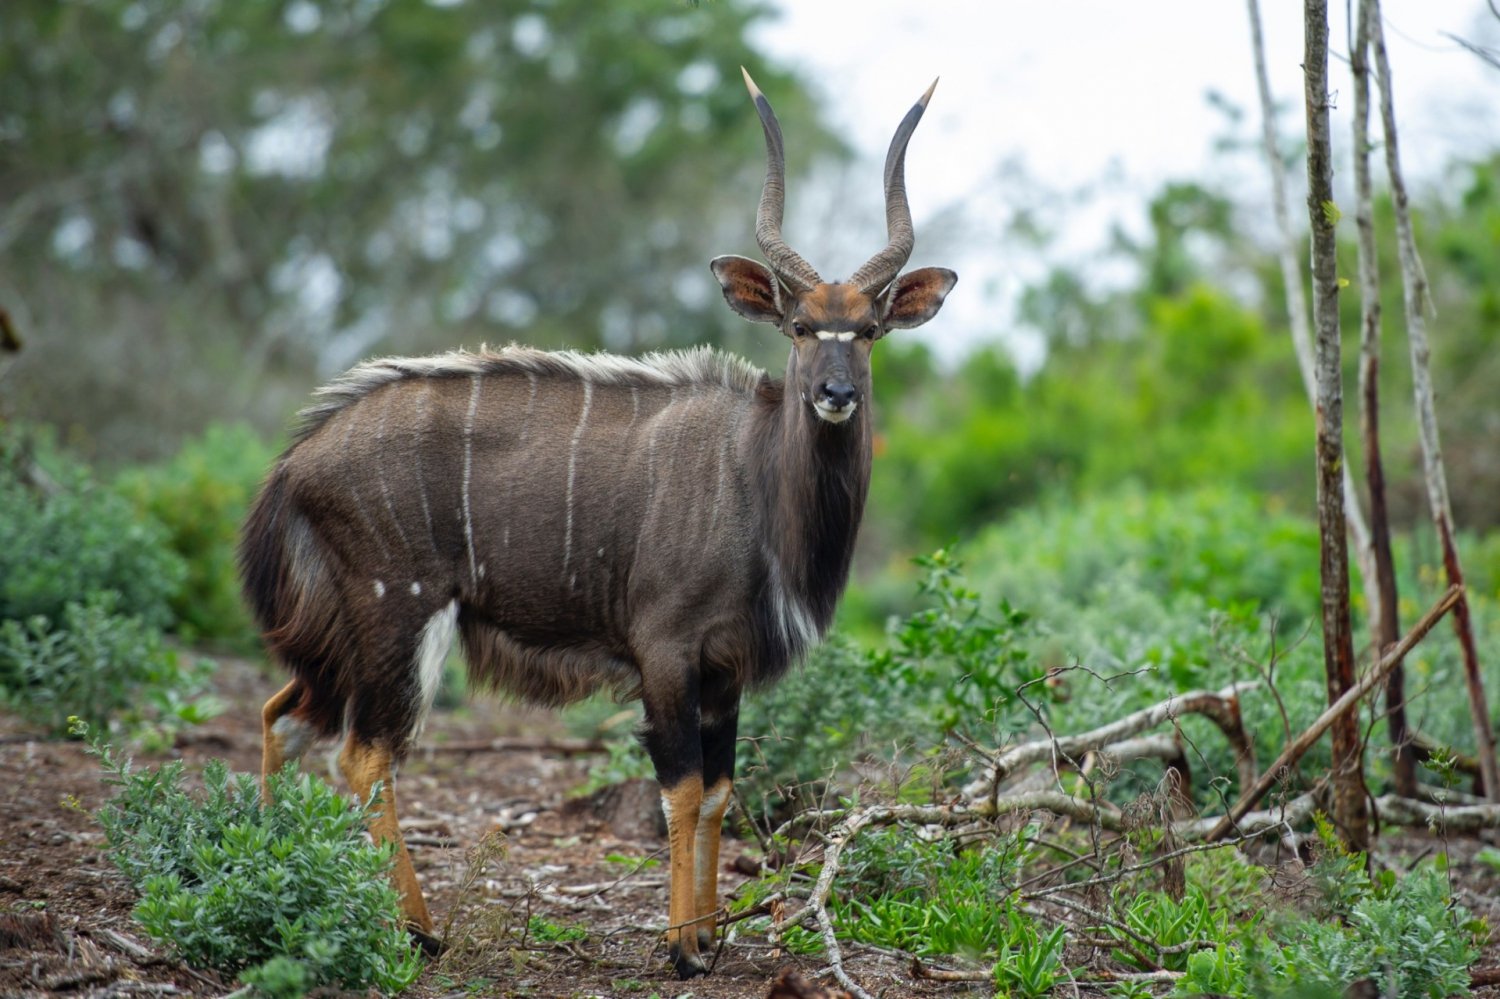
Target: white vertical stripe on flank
(651,476)
(416,457)
(530,402)
(371,531)
(385,489)
(583,417)
(468,474)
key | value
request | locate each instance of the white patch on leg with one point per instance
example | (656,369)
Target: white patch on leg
(714,799)
(437,639)
(294,736)
(709,817)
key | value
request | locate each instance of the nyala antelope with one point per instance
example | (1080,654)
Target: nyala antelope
(677,527)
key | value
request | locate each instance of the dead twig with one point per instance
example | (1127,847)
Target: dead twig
(1355,694)
(1440,818)
(1221,707)
(841,836)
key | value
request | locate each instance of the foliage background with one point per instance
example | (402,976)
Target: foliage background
(209,207)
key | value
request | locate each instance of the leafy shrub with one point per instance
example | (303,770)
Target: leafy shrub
(201,496)
(1226,546)
(927,897)
(1169,923)
(1406,936)
(953,664)
(70,538)
(100,666)
(1219,971)
(289,895)
(813,723)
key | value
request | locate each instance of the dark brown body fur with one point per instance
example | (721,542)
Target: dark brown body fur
(570,540)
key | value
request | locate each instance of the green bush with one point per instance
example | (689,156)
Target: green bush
(201,496)
(1404,934)
(67,538)
(927,897)
(955,664)
(289,895)
(101,666)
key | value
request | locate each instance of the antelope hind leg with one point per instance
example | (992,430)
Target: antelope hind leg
(363,764)
(284,736)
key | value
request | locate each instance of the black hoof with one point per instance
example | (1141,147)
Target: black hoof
(687,965)
(431,945)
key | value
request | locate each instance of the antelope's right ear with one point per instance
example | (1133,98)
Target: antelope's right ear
(749,287)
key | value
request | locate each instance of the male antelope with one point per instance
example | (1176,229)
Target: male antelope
(678,527)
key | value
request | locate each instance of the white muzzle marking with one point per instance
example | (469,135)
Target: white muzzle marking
(834,414)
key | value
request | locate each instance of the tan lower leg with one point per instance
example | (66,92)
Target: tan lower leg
(682,805)
(273,746)
(363,765)
(706,856)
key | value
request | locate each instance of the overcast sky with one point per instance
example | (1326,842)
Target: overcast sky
(1098,93)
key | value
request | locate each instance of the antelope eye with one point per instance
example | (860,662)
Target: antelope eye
(799,329)
(869,332)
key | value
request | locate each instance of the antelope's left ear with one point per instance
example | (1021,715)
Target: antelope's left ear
(916,297)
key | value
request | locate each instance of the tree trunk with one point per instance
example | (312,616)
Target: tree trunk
(1414,287)
(1350,813)
(1385,624)
(1296,301)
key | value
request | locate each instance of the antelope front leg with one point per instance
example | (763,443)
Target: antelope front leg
(671,735)
(683,804)
(718,780)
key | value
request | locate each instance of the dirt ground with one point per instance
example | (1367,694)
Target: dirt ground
(66,928)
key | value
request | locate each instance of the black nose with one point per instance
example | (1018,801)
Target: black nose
(839,394)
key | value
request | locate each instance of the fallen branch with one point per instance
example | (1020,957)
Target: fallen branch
(1399,811)
(1345,704)
(1221,707)
(818,900)
(1287,816)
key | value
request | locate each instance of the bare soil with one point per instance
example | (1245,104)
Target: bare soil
(65,912)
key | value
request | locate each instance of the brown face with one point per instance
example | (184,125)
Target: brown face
(832,328)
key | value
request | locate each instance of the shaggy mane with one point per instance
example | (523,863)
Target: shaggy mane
(697,366)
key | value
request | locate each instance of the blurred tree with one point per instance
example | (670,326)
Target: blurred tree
(206,205)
